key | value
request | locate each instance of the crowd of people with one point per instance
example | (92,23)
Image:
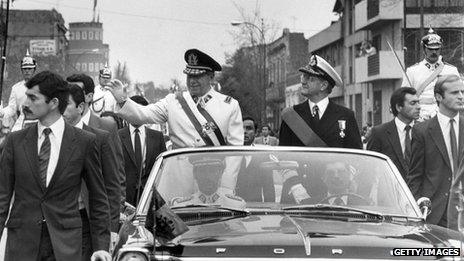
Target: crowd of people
(77,153)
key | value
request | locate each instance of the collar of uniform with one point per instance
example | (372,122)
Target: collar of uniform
(141,130)
(57,128)
(401,125)
(86,117)
(433,65)
(205,98)
(322,105)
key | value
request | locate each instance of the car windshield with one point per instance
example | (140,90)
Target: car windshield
(283,179)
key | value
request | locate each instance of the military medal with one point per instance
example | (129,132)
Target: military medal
(342,127)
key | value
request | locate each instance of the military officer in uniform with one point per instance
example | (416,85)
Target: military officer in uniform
(12,114)
(318,122)
(422,76)
(207,173)
(102,99)
(198,117)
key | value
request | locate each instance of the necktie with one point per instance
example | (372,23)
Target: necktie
(316,113)
(407,144)
(44,156)
(138,151)
(338,201)
(454,145)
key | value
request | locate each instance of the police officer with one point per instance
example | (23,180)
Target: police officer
(102,99)
(207,173)
(318,122)
(13,116)
(423,75)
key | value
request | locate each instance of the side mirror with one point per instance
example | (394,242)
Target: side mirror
(425,206)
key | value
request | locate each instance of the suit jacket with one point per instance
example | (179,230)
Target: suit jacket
(384,139)
(57,203)
(430,172)
(111,126)
(154,142)
(253,183)
(109,166)
(327,128)
(273,141)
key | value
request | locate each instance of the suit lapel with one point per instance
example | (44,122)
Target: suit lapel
(437,137)
(126,141)
(329,117)
(66,150)
(93,121)
(394,139)
(30,148)
(461,137)
(150,146)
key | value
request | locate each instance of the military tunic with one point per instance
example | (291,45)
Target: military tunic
(103,101)
(417,74)
(226,200)
(15,103)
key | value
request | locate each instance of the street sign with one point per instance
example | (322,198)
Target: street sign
(42,47)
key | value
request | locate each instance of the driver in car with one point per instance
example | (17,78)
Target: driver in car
(207,173)
(339,180)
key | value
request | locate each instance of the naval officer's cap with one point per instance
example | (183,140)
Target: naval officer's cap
(321,68)
(432,40)
(199,63)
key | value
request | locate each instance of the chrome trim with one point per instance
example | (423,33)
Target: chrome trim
(140,250)
(279,251)
(304,236)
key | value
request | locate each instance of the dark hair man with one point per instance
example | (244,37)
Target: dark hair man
(434,169)
(394,137)
(44,166)
(266,138)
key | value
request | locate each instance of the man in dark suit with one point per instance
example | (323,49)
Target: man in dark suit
(253,184)
(106,124)
(43,166)
(319,122)
(394,137)
(437,144)
(73,116)
(141,147)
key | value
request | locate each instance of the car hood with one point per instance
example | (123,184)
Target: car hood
(285,236)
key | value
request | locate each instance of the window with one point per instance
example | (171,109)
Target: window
(71,36)
(78,35)
(102,66)
(78,66)
(97,35)
(97,65)
(84,35)
(91,35)
(84,67)
(90,67)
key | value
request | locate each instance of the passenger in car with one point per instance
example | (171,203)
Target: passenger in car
(207,173)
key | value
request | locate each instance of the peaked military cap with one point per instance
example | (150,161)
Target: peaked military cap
(28,62)
(199,63)
(432,40)
(105,72)
(321,68)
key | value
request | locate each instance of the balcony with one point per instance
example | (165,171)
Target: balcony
(374,13)
(276,93)
(380,66)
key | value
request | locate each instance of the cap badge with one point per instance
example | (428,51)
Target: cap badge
(313,61)
(192,59)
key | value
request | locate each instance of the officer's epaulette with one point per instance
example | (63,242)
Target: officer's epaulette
(234,197)
(228,99)
(179,200)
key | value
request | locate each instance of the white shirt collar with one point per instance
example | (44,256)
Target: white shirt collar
(400,125)
(141,129)
(444,120)
(86,118)
(80,124)
(322,105)
(57,128)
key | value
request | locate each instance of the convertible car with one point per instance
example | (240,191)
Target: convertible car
(280,203)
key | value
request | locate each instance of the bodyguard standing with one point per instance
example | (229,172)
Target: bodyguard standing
(394,137)
(437,147)
(318,122)
(44,166)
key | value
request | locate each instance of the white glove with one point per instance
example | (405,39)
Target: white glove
(299,193)
(100,255)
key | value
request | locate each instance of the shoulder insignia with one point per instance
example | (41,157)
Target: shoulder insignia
(234,197)
(179,200)
(228,99)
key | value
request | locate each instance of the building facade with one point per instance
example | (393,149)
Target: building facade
(43,33)
(86,51)
(366,34)
(284,57)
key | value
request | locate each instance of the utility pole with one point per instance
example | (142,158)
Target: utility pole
(421,7)
(5,37)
